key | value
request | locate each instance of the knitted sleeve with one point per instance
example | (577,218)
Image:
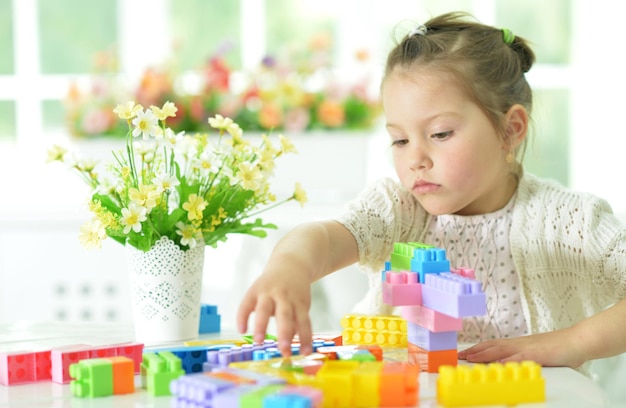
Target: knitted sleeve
(382,214)
(570,252)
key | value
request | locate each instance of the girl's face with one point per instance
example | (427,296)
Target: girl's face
(445,150)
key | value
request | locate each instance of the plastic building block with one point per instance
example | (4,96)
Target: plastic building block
(454,295)
(134,351)
(92,378)
(210,320)
(62,358)
(431,341)
(431,319)
(402,288)
(336,379)
(488,384)
(25,367)
(403,253)
(398,385)
(430,361)
(99,377)
(465,272)
(383,330)
(367,385)
(158,370)
(192,357)
(429,260)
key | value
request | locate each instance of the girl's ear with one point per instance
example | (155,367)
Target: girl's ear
(516,126)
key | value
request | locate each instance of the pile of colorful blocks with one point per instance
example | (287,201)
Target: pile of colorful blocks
(434,299)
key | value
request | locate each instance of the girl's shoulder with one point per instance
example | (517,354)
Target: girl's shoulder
(536,191)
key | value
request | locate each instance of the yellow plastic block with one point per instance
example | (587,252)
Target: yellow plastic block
(337,382)
(386,331)
(488,384)
(367,384)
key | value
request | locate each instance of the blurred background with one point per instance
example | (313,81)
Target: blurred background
(64,64)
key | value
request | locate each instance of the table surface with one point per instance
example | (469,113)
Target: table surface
(564,387)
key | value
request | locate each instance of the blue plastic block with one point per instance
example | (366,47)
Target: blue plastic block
(210,321)
(287,401)
(431,341)
(429,260)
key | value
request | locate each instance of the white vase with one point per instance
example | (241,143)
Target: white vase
(166,286)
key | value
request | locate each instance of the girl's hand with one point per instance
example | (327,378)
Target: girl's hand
(286,295)
(555,349)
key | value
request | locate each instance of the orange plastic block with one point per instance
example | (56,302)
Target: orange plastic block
(398,385)
(123,375)
(430,361)
(511,383)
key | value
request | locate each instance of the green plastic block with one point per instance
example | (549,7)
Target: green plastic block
(403,253)
(158,370)
(92,378)
(254,399)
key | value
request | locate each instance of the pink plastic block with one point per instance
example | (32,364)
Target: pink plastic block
(465,272)
(134,351)
(63,357)
(454,295)
(431,319)
(401,288)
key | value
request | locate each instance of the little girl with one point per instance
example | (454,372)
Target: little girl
(552,262)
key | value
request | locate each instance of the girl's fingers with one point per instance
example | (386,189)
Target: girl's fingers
(263,311)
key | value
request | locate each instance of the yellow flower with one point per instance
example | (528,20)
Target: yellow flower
(127,111)
(194,207)
(146,196)
(92,233)
(249,176)
(56,153)
(219,122)
(168,110)
(286,145)
(300,195)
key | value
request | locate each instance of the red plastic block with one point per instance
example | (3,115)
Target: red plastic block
(401,288)
(431,319)
(17,368)
(63,357)
(134,351)
(430,361)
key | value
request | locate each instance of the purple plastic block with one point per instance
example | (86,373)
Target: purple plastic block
(454,295)
(431,341)
(431,319)
(199,387)
(231,397)
(429,260)
(401,289)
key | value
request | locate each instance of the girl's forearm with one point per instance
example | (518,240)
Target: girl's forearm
(604,334)
(318,248)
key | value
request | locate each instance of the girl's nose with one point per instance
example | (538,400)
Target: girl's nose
(419,160)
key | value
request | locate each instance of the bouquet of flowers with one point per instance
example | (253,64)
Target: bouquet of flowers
(194,189)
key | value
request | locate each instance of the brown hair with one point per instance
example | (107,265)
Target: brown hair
(490,70)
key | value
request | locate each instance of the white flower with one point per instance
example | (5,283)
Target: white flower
(165,182)
(92,233)
(146,124)
(132,217)
(189,234)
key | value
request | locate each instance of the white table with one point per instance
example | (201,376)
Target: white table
(564,387)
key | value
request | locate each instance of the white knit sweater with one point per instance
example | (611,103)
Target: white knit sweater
(568,248)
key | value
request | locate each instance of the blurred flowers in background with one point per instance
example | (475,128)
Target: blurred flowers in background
(295,90)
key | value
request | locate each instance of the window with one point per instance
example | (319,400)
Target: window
(51,43)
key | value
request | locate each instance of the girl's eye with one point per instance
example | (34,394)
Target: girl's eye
(399,142)
(441,135)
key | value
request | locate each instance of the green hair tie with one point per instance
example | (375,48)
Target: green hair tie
(508,36)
